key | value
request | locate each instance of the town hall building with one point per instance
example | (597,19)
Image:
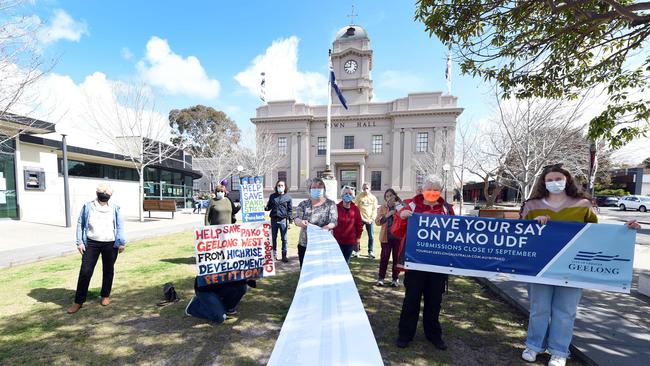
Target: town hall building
(374,142)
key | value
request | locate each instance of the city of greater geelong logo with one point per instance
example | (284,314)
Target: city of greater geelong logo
(596,262)
(597,256)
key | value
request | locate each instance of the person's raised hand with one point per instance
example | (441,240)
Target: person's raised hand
(406,214)
(542,220)
(633,224)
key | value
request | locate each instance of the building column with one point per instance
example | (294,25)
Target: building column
(362,172)
(18,176)
(305,154)
(294,174)
(396,167)
(407,184)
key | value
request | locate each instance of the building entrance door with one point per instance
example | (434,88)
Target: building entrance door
(348,177)
(8,206)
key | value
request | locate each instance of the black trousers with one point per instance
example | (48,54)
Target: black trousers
(420,284)
(88,261)
(301,254)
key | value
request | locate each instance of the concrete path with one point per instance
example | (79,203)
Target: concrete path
(611,328)
(24,242)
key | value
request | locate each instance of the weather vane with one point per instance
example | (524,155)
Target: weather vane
(352,15)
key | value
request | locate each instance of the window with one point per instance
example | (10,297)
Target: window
(419,179)
(282,145)
(377,144)
(375,181)
(422,143)
(348,142)
(282,175)
(322,146)
(93,170)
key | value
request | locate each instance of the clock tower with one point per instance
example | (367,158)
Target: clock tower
(352,63)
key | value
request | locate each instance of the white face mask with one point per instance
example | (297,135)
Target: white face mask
(557,186)
(220,195)
(280,189)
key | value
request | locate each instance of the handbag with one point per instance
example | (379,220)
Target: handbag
(169,294)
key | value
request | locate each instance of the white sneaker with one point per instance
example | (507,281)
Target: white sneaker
(379,283)
(371,255)
(188,305)
(355,253)
(529,355)
(557,361)
(395,283)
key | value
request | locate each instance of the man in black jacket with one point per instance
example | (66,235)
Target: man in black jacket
(281,209)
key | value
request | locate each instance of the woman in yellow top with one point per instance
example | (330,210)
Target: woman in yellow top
(553,308)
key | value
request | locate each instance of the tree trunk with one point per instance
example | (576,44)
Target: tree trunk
(141,194)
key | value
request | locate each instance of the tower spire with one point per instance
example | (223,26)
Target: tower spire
(352,15)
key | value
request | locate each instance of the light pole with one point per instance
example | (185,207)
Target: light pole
(446,169)
(66,183)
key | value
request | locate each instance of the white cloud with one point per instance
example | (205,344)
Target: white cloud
(283,79)
(126,53)
(174,74)
(62,26)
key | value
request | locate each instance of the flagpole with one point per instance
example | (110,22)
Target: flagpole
(328,124)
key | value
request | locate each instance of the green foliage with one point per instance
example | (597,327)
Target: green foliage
(612,192)
(554,49)
(202,130)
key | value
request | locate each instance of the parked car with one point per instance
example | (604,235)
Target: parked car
(607,201)
(641,203)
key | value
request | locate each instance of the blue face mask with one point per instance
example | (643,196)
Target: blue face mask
(347,198)
(316,193)
(280,189)
(556,186)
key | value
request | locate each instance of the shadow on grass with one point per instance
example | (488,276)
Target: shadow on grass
(187,260)
(133,330)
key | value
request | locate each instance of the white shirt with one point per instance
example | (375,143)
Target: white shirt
(101,222)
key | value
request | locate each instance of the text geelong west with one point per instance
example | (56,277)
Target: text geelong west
(480,232)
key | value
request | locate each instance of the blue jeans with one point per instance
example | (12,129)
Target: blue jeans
(282,225)
(371,235)
(346,250)
(552,313)
(212,305)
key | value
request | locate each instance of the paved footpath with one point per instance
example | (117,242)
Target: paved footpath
(611,328)
(24,242)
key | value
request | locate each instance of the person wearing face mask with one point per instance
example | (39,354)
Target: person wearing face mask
(553,309)
(389,243)
(317,210)
(421,284)
(234,206)
(349,225)
(368,204)
(219,210)
(100,232)
(281,208)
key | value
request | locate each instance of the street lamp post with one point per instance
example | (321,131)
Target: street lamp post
(446,169)
(66,183)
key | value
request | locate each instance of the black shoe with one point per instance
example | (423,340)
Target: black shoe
(401,343)
(439,344)
(284,258)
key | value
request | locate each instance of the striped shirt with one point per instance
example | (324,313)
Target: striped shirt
(572,209)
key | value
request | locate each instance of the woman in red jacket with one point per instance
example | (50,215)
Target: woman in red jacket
(420,284)
(349,225)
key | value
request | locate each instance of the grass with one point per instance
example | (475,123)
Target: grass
(35,330)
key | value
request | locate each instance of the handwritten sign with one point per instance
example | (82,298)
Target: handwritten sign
(252,197)
(226,253)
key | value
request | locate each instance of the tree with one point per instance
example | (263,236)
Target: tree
(202,131)
(129,122)
(554,49)
(263,158)
(465,139)
(20,65)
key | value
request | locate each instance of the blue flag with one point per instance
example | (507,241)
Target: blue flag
(337,90)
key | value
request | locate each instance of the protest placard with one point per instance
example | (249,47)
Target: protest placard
(226,253)
(596,256)
(252,198)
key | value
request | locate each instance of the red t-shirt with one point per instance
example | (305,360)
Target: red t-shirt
(349,225)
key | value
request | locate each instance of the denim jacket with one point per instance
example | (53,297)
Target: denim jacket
(82,225)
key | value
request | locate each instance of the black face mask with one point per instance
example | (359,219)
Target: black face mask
(103,197)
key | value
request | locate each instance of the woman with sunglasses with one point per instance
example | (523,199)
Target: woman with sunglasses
(553,309)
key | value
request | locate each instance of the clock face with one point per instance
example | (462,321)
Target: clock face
(350,66)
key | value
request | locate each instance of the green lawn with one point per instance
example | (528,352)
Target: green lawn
(35,330)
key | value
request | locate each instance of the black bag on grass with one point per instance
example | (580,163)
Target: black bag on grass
(169,294)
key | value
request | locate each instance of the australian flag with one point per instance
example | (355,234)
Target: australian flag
(337,90)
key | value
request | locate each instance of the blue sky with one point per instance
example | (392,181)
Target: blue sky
(226,37)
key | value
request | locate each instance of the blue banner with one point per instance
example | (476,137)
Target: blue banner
(596,256)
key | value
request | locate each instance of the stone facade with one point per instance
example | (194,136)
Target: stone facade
(371,142)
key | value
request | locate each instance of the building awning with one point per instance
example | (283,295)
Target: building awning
(12,123)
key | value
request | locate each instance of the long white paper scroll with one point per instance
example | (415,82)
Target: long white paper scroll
(326,324)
